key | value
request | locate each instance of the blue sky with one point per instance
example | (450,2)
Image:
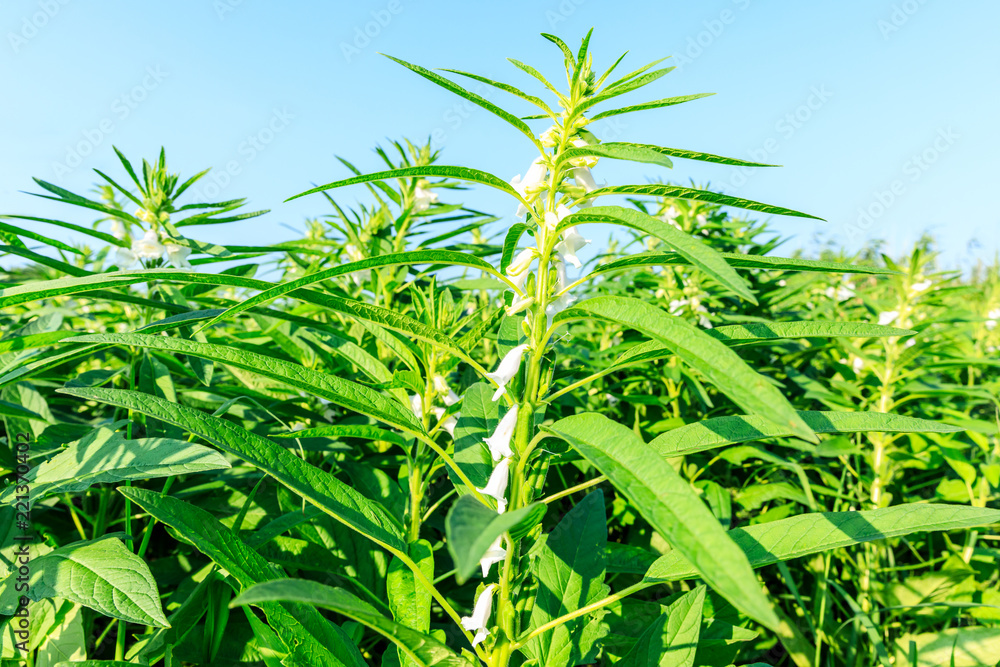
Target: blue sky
(883,107)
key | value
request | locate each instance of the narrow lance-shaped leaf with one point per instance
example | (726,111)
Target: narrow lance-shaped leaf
(693,249)
(344,393)
(619,150)
(720,431)
(740,261)
(458,173)
(422,649)
(670,506)
(664,190)
(339,500)
(655,104)
(753,332)
(712,358)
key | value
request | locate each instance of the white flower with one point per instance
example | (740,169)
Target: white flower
(422,199)
(441,386)
(529,186)
(888,317)
(671,215)
(910,342)
(553,218)
(782,283)
(126,259)
(178,256)
(701,219)
(449,423)
(495,554)
(507,369)
(355,255)
(417,405)
(584,178)
(480,615)
(521,264)
(572,242)
(148,247)
(496,487)
(992,318)
(118,229)
(857,364)
(499,442)
(923,285)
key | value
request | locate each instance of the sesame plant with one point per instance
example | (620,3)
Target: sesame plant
(418,435)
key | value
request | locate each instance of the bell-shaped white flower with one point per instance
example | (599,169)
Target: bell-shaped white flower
(584,178)
(922,286)
(499,442)
(495,554)
(423,198)
(553,218)
(177,255)
(572,242)
(480,615)
(449,423)
(888,317)
(520,266)
(125,258)
(508,368)
(417,405)
(529,186)
(441,386)
(148,247)
(496,487)
(991,319)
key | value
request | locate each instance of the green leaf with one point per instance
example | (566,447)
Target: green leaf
(670,506)
(655,104)
(651,154)
(409,600)
(967,646)
(101,574)
(472,97)
(337,390)
(721,365)
(471,528)
(806,534)
(570,571)
(506,88)
(740,261)
(339,500)
(664,190)
(104,457)
(300,627)
(458,173)
(17,231)
(753,332)
(478,417)
(699,253)
(626,86)
(720,431)
(423,649)
(672,640)
(447,257)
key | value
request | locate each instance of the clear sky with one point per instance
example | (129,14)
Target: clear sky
(884,106)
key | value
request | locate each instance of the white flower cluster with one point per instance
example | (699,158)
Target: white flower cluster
(149,247)
(449,398)
(991,319)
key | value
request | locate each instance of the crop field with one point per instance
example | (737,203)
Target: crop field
(423,435)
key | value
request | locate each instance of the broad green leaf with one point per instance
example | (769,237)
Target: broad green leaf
(478,417)
(664,190)
(720,431)
(423,649)
(655,104)
(570,572)
(670,506)
(409,600)
(457,173)
(693,249)
(672,640)
(337,390)
(317,486)
(101,574)
(447,257)
(105,457)
(472,97)
(651,154)
(785,539)
(300,627)
(739,261)
(721,365)
(471,528)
